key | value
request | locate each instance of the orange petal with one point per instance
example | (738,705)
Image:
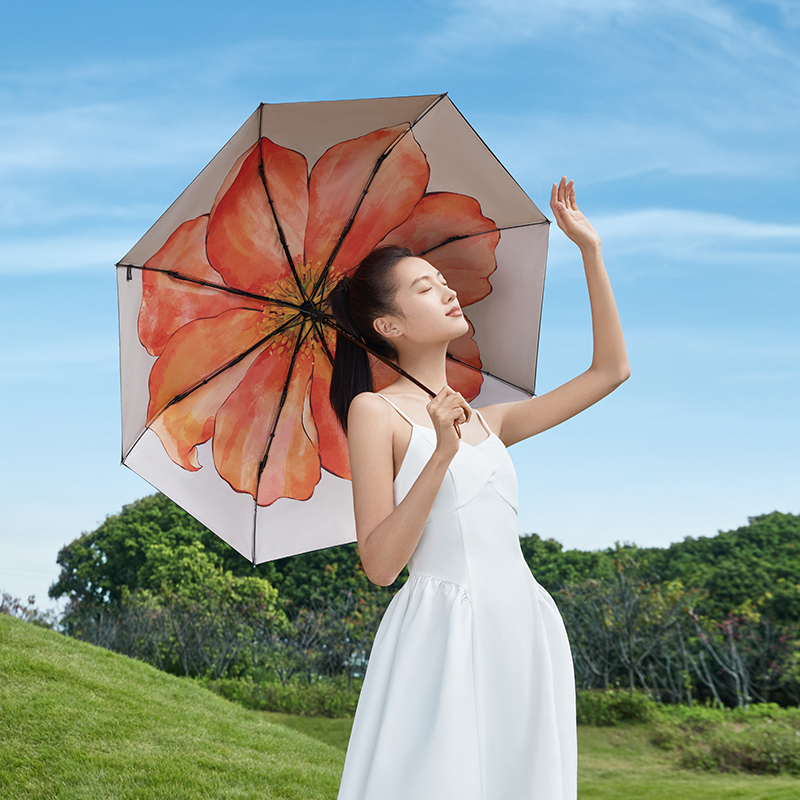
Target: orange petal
(466,263)
(184,425)
(382,376)
(199,350)
(462,378)
(252,419)
(331,438)
(244,243)
(169,303)
(336,185)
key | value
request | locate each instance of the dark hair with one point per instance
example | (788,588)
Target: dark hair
(356,302)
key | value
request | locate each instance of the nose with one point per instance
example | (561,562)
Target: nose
(449,294)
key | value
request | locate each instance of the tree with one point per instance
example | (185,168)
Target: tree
(97,566)
(197,619)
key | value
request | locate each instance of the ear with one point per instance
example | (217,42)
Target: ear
(387,327)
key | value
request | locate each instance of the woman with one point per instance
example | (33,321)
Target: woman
(470,690)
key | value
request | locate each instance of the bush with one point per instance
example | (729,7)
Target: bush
(761,739)
(613,707)
(27,612)
(323,698)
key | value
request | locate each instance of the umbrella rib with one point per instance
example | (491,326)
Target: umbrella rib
(321,339)
(491,375)
(208,284)
(281,234)
(459,238)
(233,363)
(370,179)
(332,323)
(262,465)
(222,369)
(329,263)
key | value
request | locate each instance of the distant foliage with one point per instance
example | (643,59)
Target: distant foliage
(324,698)
(756,566)
(27,611)
(98,566)
(762,739)
(711,619)
(614,707)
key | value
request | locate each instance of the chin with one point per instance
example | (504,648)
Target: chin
(462,327)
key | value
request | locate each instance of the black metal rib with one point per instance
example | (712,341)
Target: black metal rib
(281,234)
(291,322)
(320,337)
(208,284)
(452,239)
(324,274)
(491,375)
(301,337)
(329,263)
(332,323)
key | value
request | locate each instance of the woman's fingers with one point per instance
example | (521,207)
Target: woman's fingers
(449,407)
(563,192)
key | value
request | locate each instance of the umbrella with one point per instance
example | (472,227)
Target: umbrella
(225,338)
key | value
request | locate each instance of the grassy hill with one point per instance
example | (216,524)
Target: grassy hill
(80,722)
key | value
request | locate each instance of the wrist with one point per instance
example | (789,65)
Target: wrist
(590,250)
(440,460)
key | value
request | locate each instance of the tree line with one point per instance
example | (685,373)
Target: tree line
(713,618)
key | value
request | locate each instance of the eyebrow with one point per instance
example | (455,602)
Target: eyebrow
(425,278)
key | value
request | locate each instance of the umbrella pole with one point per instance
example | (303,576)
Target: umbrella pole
(330,322)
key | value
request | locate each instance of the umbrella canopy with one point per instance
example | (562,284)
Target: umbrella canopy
(225,338)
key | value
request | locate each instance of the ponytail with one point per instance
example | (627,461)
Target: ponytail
(356,302)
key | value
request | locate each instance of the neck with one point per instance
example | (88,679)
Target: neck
(428,365)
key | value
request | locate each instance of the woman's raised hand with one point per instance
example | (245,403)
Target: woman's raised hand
(569,217)
(448,410)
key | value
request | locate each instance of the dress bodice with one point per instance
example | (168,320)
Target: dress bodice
(472,526)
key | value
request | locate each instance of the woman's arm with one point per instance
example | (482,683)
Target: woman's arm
(609,368)
(387,536)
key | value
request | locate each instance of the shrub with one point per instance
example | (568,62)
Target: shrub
(613,707)
(323,698)
(762,739)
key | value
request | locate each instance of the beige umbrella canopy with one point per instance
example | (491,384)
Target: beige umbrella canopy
(225,338)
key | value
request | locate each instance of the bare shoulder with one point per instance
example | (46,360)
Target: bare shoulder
(370,437)
(368,412)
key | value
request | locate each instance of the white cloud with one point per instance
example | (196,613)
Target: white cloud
(668,241)
(657,224)
(123,136)
(598,147)
(499,22)
(701,239)
(788,9)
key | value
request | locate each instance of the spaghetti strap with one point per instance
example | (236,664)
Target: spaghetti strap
(404,416)
(483,421)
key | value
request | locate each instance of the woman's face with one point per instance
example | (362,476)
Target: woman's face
(429,309)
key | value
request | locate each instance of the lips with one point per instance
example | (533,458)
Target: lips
(455,311)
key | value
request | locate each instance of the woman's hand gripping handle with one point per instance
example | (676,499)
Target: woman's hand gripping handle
(448,410)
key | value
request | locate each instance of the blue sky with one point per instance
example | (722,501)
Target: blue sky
(679,121)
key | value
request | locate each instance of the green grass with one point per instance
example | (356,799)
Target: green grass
(79,722)
(615,763)
(621,763)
